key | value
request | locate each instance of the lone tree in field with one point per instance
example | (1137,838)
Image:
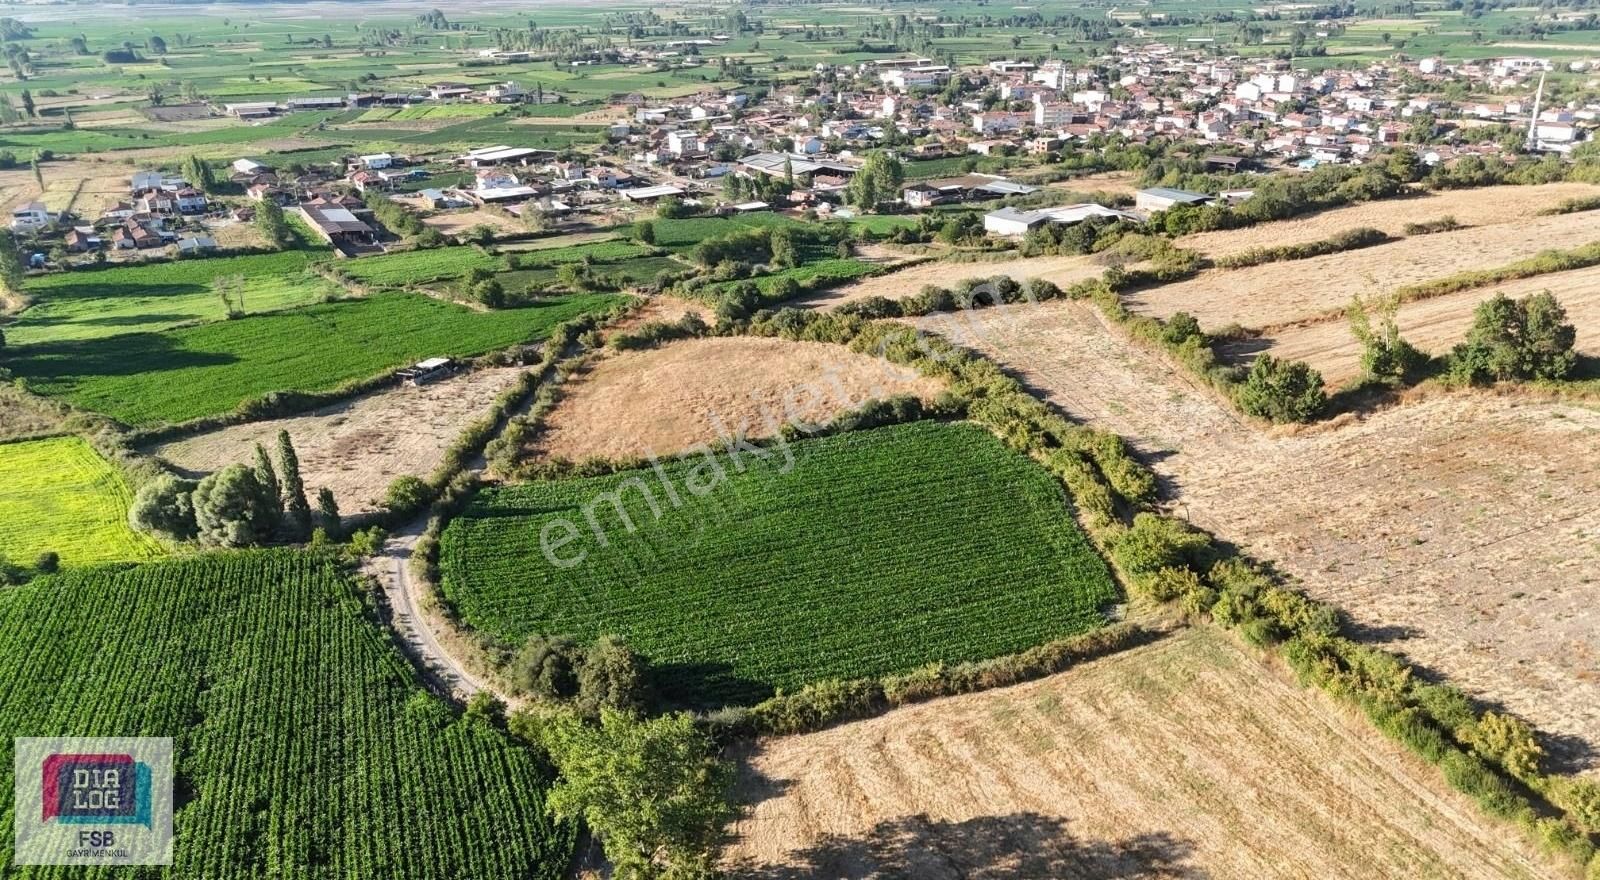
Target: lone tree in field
(296,511)
(651,789)
(1283,391)
(1385,355)
(878,181)
(1516,340)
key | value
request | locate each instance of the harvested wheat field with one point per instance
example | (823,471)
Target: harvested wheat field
(1485,206)
(1434,325)
(357,448)
(1189,757)
(668,399)
(1274,294)
(1461,530)
(909,281)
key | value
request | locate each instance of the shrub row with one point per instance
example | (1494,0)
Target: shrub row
(1574,206)
(824,703)
(1488,756)
(1540,264)
(1349,240)
(1447,223)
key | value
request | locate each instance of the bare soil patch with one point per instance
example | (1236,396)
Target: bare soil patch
(457,222)
(359,447)
(1274,294)
(1189,757)
(668,399)
(909,281)
(1434,325)
(1460,530)
(1487,206)
(1117,182)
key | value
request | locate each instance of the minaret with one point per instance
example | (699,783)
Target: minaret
(1533,120)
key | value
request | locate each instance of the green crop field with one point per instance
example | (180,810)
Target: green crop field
(60,495)
(183,374)
(420,267)
(600,251)
(95,303)
(304,746)
(878,551)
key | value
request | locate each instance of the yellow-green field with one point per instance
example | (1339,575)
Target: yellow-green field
(59,494)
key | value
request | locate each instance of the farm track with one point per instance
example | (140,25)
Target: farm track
(411,626)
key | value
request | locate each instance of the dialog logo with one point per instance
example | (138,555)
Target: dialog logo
(93,801)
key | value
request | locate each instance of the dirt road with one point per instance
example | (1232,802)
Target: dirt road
(392,569)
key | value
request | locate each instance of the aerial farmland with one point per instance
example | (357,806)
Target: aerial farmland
(791,440)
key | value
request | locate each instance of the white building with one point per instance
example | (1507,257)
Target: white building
(31,217)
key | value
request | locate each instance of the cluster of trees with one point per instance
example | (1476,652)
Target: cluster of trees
(200,174)
(877,181)
(394,216)
(238,506)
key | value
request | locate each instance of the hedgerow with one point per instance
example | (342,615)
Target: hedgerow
(1350,239)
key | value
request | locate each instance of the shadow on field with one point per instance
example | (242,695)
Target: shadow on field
(704,686)
(107,320)
(131,354)
(1020,846)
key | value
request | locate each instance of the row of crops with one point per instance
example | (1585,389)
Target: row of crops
(304,746)
(878,551)
(209,369)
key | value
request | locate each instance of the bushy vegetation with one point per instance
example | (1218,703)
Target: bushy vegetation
(1447,223)
(1575,205)
(1540,264)
(1513,339)
(1385,355)
(295,720)
(850,599)
(151,378)
(1282,391)
(60,496)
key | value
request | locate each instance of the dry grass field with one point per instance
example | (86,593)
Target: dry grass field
(358,447)
(1461,530)
(1189,757)
(86,187)
(664,400)
(1275,294)
(1434,325)
(1487,206)
(1064,271)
